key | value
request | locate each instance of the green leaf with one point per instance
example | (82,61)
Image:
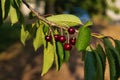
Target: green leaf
(102,56)
(90,68)
(3,7)
(66,56)
(48,58)
(115,53)
(65,20)
(13,15)
(111,62)
(38,40)
(83,38)
(1,18)
(117,46)
(60,54)
(7,8)
(24,34)
(112,57)
(99,64)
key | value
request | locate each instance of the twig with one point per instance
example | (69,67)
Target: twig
(41,17)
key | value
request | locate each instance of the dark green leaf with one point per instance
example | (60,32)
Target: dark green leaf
(60,54)
(113,59)
(100,65)
(83,39)
(90,68)
(111,62)
(117,46)
(115,53)
(66,56)
(7,8)
(102,56)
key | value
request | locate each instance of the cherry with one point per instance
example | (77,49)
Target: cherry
(72,41)
(48,38)
(67,46)
(57,37)
(71,30)
(62,39)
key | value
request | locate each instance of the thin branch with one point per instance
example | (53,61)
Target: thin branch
(41,17)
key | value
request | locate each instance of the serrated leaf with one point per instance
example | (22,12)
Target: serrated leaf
(24,35)
(60,54)
(89,68)
(65,20)
(83,38)
(48,58)
(13,15)
(38,40)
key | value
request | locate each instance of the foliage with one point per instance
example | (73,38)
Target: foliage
(94,58)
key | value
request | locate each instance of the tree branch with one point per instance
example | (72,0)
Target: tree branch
(41,17)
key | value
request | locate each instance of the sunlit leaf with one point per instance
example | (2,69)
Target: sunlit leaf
(83,38)
(24,34)
(38,40)
(65,20)
(48,58)
(1,19)
(13,15)
(3,7)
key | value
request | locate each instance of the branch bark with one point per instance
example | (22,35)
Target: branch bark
(38,15)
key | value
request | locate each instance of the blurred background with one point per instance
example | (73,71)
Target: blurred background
(18,62)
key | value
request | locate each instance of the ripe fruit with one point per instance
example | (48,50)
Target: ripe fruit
(71,30)
(72,41)
(48,38)
(62,39)
(67,46)
(57,37)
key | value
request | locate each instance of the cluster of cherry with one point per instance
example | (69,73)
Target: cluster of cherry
(62,39)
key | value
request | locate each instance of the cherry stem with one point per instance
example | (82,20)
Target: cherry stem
(61,30)
(68,37)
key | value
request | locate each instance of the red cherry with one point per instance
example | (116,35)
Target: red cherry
(72,41)
(48,38)
(57,37)
(71,30)
(67,46)
(62,39)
